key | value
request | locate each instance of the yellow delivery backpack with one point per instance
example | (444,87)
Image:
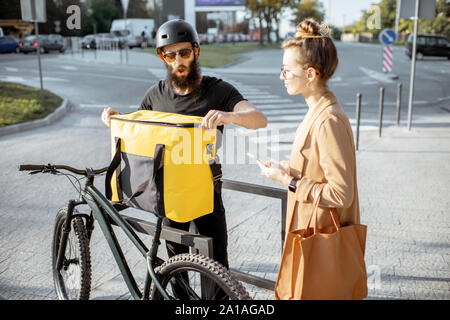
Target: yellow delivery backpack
(162,163)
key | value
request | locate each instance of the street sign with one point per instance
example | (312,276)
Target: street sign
(387,59)
(427,9)
(387,37)
(33,10)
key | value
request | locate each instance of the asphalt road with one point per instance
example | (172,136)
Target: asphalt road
(28,204)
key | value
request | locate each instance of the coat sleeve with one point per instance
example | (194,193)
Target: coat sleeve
(337,160)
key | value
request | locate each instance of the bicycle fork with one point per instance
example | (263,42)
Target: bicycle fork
(65,234)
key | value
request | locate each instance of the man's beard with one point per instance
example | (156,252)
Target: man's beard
(191,81)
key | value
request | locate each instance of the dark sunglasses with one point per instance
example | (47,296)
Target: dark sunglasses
(184,53)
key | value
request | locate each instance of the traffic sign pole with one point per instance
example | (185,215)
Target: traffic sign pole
(413,66)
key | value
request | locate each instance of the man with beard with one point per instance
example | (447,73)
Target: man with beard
(186,91)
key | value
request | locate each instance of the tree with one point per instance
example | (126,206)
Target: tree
(103,12)
(308,9)
(268,13)
(257,8)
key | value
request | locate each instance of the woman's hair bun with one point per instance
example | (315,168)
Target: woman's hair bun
(309,28)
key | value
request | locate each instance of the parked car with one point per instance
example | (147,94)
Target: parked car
(52,42)
(88,42)
(429,45)
(9,44)
(202,37)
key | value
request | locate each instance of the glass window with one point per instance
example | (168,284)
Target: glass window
(421,40)
(442,42)
(431,41)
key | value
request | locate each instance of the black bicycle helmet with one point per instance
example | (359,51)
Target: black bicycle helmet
(174,31)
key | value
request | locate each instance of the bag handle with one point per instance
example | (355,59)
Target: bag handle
(115,162)
(315,212)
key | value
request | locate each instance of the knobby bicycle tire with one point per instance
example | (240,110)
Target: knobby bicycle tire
(77,259)
(207,268)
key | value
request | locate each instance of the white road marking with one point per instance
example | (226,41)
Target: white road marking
(51,79)
(336,79)
(376,75)
(102,106)
(12,79)
(265,101)
(9,69)
(260,96)
(280,112)
(70,68)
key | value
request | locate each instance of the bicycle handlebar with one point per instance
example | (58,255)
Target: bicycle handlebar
(53,168)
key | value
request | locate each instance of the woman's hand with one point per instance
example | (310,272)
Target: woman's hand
(275,171)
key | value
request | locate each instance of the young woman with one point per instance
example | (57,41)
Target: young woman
(323,151)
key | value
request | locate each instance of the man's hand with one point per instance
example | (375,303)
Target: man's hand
(216,118)
(107,112)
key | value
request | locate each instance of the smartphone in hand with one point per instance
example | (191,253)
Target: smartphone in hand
(260,162)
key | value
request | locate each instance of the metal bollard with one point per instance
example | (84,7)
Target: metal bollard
(399,102)
(358,117)
(380,123)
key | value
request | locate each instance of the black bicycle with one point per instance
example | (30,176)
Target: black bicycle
(198,277)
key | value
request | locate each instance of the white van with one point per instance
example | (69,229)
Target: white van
(134,28)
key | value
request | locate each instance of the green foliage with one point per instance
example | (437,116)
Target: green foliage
(308,9)
(19,103)
(103,13)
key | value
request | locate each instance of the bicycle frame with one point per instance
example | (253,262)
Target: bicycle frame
(102,211)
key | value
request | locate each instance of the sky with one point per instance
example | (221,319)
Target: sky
(339,12)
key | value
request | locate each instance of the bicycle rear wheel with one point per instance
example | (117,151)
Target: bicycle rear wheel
(197,277)
(73,280)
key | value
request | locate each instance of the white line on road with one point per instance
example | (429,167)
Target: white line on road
(12,79)
(261,96)
(294,106)
(266,101)
(102,106)
(70,68)
(376,75)
(280,112)
(51,79)
(336,79)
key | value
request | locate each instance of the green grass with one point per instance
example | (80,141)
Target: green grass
(218,55)
(19,103)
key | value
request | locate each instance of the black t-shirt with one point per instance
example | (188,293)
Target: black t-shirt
(214,94)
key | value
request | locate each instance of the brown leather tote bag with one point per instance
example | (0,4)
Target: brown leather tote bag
(317,265)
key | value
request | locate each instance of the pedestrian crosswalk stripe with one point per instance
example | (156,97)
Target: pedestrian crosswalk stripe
(280,112)
(266,101)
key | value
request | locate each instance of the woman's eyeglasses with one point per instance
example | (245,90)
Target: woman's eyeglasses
(287,74)
(184,53)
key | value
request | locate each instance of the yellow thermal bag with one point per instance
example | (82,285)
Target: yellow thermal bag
(163,163)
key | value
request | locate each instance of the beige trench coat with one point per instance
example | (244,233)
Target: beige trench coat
(323,152)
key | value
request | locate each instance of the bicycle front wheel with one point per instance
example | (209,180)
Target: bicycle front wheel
(196,277)
(73,280)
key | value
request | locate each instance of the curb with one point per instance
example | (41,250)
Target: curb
(51,118)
